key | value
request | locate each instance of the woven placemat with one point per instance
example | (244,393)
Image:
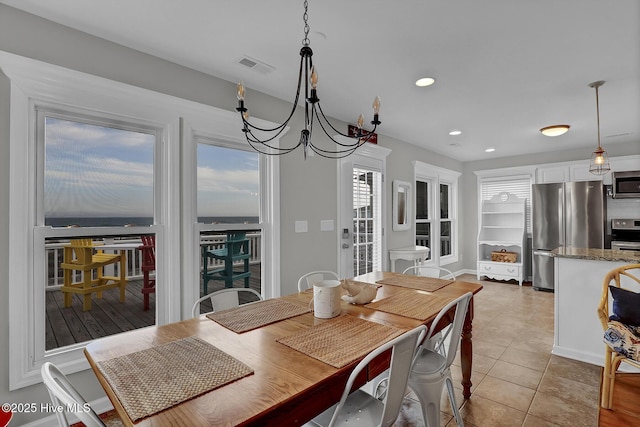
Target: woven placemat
(341,340)
(416,305)
(157,378)
(423,283)
(257,314)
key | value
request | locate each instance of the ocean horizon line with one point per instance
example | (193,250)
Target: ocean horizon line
(139,221)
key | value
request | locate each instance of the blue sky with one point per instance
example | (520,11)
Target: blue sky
(101,171)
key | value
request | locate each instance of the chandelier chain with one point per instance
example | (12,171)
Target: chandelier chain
(305,17)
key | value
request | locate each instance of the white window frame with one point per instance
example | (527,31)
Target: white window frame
(34,83)
(201,126)
(435,176)
(374,158)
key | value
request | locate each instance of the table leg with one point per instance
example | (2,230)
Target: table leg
(466,352)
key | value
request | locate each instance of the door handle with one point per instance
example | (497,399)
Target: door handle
(345,246)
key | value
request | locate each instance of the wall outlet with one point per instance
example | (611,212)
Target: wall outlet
(326,225)
(301,227)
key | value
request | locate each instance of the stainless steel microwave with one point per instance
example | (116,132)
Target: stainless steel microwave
(626,185)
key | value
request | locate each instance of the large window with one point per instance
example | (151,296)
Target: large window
(228,202)
(108,165)
(97,173)
(436,212)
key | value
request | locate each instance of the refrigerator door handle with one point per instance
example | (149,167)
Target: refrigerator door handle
(563,213)
(542,253)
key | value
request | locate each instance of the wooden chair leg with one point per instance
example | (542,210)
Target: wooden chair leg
(228,267)
(615,364)
(123,286)
(605,397)
(86,302)
(100,279)
(246,268)
(68,299)
(205,273)
(68,296)
(123,275)
(86,285)
(145,295)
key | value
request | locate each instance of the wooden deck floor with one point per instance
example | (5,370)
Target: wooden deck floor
(66,326)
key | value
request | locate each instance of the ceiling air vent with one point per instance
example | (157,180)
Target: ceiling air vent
(255,65)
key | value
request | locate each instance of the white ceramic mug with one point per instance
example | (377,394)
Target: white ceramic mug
(326,298)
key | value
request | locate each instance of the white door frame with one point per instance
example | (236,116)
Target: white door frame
(369,156)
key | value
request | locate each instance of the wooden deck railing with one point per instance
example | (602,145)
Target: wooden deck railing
(54,255)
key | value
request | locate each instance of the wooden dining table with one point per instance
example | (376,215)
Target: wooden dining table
(286,387)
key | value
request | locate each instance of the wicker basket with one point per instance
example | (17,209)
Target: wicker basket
(504,256)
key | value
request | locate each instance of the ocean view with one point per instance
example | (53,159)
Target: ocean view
(139,221)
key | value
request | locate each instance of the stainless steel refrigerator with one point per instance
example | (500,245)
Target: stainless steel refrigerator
(571,214)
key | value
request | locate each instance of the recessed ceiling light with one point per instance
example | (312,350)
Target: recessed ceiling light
(555,130)
(425,81)
(455,132)
(490,150)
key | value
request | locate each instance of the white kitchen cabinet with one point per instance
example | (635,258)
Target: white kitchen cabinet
(577,171)
(502,226)
(580,172)
(550,174)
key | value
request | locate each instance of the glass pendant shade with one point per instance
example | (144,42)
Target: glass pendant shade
(599,162)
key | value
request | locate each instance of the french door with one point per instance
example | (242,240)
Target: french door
(361,241)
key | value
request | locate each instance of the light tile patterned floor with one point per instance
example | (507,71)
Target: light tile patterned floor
(516,380)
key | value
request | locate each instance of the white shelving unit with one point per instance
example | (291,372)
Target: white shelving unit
(502,226)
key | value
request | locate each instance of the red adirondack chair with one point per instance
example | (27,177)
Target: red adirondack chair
(148,249)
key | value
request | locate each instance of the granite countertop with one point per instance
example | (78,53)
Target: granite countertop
(597,254)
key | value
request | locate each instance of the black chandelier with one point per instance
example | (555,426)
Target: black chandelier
(312,111)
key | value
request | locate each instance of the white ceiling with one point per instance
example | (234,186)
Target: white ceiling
(504,68)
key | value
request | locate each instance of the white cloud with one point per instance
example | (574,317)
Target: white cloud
(228,181)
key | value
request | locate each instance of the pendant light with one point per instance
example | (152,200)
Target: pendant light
(599,160)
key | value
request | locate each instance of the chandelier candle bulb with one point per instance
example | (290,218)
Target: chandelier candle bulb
(240,95)
(376,111)
(314,77)
(360,121)
(240,91)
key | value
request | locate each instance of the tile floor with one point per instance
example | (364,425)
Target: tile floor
(516,380)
